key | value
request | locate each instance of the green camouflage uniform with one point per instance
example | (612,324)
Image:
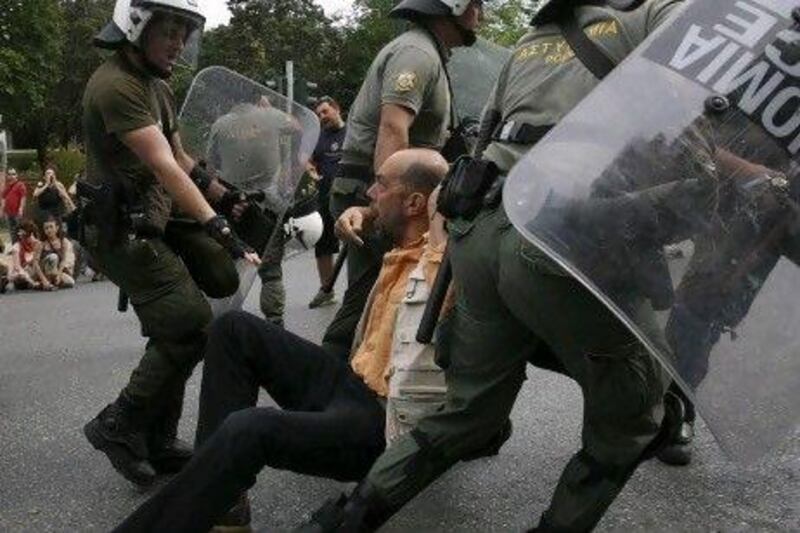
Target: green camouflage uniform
(165,274)
(408,72)
(513,301)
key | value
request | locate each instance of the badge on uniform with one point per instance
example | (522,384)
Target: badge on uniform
(405,82)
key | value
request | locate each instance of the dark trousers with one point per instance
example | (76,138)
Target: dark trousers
(330,424)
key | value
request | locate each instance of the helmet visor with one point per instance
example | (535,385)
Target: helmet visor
(172,26)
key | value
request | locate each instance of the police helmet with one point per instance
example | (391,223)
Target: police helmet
(304,232)
(548,8)
(410,9)
(132,16)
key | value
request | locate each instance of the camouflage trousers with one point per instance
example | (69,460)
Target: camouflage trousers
(165,279)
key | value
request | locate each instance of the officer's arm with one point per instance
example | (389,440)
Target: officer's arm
(153,149)
(215,189)
(395,122)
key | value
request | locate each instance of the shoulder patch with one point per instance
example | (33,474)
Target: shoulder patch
(405,82)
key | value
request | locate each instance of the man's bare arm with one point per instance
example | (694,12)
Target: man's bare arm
(393,129)
(152,148)
(215,190)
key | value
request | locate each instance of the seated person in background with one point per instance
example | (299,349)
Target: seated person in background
(331,420)
(57,256)
(25,273)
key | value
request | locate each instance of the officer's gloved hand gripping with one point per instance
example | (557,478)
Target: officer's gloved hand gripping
(219,230)
(181,176)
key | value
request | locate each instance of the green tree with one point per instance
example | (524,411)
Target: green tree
(79,60)
(507,20)
(30,56)
(264,34)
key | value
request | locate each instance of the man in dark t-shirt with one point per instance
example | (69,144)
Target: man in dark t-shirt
(326,162)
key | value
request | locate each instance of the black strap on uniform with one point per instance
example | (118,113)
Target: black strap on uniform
(520,132)
(587,51)
(455,120)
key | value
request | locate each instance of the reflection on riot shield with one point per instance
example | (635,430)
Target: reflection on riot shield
(688,201)
(258,142)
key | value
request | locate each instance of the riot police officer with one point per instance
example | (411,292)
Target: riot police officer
(405,101)
(512,300)
(150,229)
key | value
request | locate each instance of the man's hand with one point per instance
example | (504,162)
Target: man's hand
(233,204)
(216,191)
(351,224)
(437,234)
(219,230)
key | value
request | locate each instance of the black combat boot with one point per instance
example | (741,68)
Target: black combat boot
(168,453)
(237,519)
(116,433)
(678,450)
(364,511)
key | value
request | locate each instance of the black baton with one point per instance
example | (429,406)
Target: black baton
(435,300)
(337,268)
(122,301)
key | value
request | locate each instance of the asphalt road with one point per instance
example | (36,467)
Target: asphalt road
(63,356)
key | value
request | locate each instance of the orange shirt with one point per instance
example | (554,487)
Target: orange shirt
(371,359)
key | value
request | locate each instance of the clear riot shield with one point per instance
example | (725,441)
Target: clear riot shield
(257,141)
(473,72)
(674,186)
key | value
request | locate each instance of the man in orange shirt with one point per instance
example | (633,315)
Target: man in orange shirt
(331,416)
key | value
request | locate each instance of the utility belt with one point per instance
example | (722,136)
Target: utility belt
(356,172)
(107,215)
(470,185)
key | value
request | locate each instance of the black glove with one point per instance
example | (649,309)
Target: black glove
(201,177)
(233,196)
(219,230)
(229,200)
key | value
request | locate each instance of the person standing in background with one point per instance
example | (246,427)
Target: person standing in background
(13,202)
(326,159)
(51,198)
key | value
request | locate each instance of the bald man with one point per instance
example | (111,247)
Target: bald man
(331,421)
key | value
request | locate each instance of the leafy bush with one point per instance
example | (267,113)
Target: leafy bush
(67,162)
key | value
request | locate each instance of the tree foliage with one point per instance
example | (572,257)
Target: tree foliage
(30,54)
(263,34)
(507,20)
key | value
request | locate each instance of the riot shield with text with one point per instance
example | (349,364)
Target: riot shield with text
(674,185)
(258,142)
